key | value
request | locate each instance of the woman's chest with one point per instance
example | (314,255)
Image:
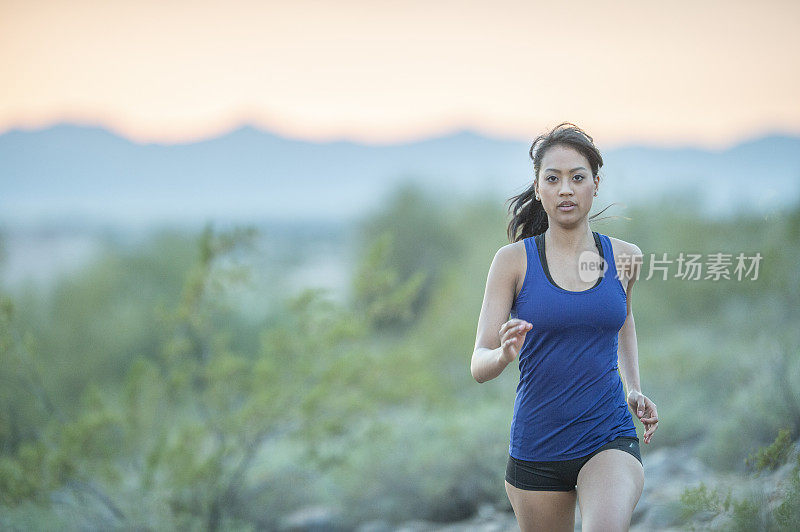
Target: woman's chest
(601,309)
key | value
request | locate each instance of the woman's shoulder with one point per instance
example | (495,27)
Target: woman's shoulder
(514,258)
(626,255)
(621,247)
(513,251)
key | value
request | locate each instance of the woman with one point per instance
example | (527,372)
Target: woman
(568,292)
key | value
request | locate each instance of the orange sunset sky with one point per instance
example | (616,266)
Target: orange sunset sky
(708,73)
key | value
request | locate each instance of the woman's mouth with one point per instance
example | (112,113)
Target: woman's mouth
(566,208)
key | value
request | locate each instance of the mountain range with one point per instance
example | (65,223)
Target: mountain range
(68,172)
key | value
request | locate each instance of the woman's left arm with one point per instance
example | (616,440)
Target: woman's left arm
(628,357)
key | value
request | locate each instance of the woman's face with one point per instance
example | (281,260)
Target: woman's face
(565,176)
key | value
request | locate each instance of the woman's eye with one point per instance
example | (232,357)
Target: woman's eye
(548,177)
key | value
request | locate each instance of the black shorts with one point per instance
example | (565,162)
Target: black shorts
(561,475)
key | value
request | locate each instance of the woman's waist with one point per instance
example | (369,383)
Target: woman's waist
(568,403)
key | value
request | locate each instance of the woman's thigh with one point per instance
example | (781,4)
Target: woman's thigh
(545,510)
(609,486)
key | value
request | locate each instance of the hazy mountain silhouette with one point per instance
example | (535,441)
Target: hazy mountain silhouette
(69,171)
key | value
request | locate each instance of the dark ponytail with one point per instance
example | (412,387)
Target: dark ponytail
(528,217)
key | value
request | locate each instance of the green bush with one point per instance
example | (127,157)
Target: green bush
(752,512)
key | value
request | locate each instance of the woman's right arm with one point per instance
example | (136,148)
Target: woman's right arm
(498,339)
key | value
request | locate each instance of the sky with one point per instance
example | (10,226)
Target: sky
(703,73)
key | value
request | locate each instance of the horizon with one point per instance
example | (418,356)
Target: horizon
(701,76)
(638,143)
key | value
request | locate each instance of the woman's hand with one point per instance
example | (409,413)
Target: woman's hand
(512,335)
(645,410)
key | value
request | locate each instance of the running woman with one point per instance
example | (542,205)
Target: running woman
(567,291)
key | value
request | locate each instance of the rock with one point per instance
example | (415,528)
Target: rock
(486,511)
(671,464)
(416,525)
(317,518)
(667,473)
(661,516)
(376,525)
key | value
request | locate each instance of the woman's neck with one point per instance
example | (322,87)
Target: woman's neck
(569,241)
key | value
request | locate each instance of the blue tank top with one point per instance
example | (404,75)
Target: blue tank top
(570,399)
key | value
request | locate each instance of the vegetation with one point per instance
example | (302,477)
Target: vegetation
(703,507)
(141,392)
